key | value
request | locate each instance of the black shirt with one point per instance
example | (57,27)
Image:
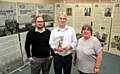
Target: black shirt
(39,44)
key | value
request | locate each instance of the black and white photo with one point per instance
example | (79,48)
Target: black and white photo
(47,13)
(26,15)
(87,11)
(107,12)
(8,25)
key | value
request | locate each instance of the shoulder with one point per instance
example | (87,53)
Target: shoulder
(55,30)
(32,30)
(70,28)
(95,39)
(47,30)
(80,39)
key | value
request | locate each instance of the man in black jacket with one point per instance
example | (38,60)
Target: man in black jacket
(38,40)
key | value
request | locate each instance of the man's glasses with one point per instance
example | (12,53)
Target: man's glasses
(39,21)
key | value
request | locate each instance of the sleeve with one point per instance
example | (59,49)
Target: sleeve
(51,50)
(74,40)
(27,45)
(97,46)
(51,41)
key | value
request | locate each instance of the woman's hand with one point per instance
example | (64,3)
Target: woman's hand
(74,62)
(96,70)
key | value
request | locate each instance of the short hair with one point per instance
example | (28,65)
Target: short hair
(62,13)
(38,17)
(87,26)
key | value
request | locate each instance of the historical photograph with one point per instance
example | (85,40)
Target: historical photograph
(116,38)
(8,20)
(117,41)
(117,5)
(87,11)
(69,11)
(47,13)
(10,24)
(57,5)
(96,5)
(48,20)
(76,5)
(113,45)
(102,38)
(107,12)
(26,15)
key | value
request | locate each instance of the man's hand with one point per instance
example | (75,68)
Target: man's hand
(50,57)
(59,49)
(31,59)
(67,48)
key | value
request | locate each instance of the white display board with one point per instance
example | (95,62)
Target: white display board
(82,15)
(68,9)
(46,10)
(102,21)
(26,15)
(115,30)
(8,23)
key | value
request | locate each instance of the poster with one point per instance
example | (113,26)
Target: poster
(8,23)
(46,10)
(102,21)
(26,15)
(82,15)
(22,42)
(115,30)
(67,8)
(10,53)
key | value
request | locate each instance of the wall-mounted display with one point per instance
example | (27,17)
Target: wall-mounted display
(10,52)
(68,9)
(115,30)
(26,15)
(82,15)
(102,21)
(46,10)
(8,23)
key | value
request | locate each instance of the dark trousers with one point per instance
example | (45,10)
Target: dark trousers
(80,72)
(40,63)
(62,62)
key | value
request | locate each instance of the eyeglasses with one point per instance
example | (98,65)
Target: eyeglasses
(39,21)
(62,18)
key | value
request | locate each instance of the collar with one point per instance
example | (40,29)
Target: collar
(36,30)
(58,29)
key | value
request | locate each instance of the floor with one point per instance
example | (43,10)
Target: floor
(110,65)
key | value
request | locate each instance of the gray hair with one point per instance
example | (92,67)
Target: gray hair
(62,13)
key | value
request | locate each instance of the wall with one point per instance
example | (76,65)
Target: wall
(10,52)
(89,1)
(34,1)
(53,1)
